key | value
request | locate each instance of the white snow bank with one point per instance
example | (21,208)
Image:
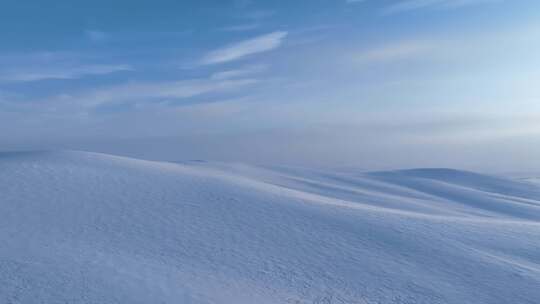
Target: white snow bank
(91,228)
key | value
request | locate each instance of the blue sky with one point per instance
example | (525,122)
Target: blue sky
(372,83)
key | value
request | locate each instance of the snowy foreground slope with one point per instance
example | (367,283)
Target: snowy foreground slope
(91,228)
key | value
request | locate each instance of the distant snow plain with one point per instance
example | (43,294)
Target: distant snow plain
(79,227)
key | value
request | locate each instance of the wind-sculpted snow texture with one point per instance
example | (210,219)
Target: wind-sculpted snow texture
(91,228)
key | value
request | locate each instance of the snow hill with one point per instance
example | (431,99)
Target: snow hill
(82,227)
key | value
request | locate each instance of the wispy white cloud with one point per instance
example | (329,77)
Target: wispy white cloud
(259,15)
(36,73)
(468,49)
(45,65)
(395,52)
(238,73)
(408,5)
(240,27)
(245,48)
(129,95)
(147,92)
(96,36)
(242,3)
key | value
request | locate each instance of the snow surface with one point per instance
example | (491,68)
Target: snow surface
(82,227)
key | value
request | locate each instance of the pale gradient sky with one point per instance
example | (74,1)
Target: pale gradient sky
(375,84)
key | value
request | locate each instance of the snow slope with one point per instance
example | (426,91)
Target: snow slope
(91,228)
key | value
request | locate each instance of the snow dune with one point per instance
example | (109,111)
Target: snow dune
(83,227)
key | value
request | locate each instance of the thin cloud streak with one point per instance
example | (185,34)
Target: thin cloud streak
(47,73)
(130,94)
(395,52)
(238,73)
(240,27)
(410,5)
(245,48)
(96,36)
